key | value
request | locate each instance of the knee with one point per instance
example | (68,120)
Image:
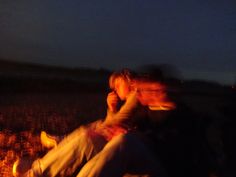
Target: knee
(76,138)
(85,133)
(121,141)
(126,138)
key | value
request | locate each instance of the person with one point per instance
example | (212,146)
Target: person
(128,154)
(125,155)
(127,105)
(179,142)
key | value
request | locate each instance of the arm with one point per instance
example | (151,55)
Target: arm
(124,113)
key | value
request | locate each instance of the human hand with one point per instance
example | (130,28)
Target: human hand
(112,101)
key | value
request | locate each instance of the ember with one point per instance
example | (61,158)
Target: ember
(14,146)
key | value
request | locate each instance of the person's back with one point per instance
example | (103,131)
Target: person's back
(181,145)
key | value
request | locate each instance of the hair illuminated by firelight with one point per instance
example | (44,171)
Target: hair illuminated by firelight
(125,74)
(151,93)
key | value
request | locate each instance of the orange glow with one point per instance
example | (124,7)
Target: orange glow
(47,141)
(13,147)
(14,168)
(153,95)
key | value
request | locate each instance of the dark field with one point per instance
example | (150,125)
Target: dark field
(58,113)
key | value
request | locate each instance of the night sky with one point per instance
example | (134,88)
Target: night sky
(198,37)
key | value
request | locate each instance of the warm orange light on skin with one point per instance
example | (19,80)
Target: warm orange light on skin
(122,88)
(151,94)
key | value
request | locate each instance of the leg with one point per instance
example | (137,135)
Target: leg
(79,146)
(125,153)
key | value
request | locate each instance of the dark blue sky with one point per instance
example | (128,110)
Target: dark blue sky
(196,36)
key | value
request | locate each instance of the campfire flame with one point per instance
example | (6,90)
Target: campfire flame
(14,147)
(14,168)
(45,140)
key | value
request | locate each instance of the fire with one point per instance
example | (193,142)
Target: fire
(14,168)
(15,146)
(154,95)
(24,147)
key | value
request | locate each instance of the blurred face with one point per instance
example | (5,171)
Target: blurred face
(121,87)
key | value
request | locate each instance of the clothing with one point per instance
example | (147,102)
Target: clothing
(85,142)
(180,143)
(70,154)
(124,155)
(129,117)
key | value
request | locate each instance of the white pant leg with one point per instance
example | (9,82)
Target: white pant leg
(124,154)
(82,144)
